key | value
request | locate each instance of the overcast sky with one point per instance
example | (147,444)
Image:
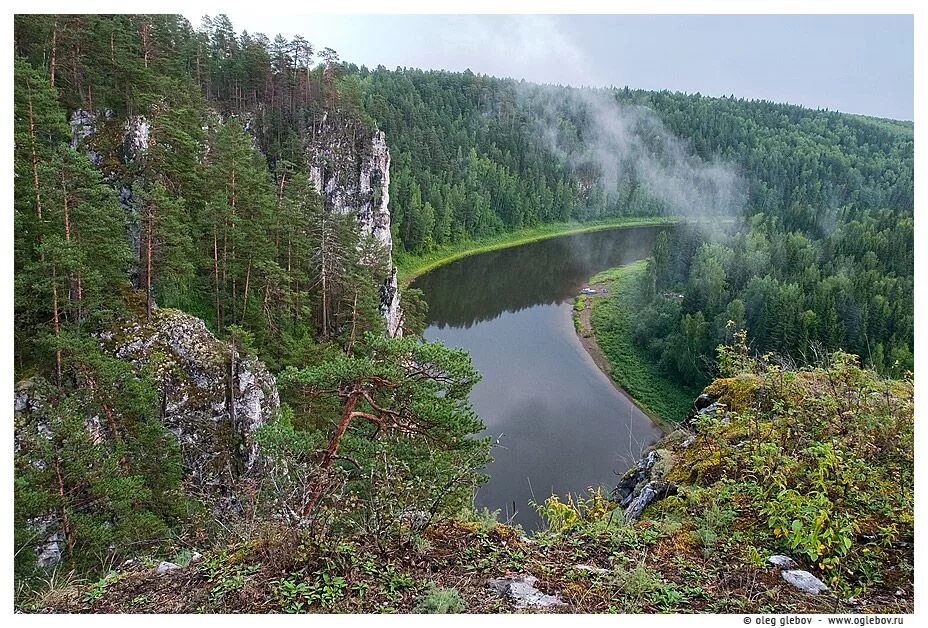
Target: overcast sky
(857,64)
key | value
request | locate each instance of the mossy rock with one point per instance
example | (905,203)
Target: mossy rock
(662,465)
(735,393)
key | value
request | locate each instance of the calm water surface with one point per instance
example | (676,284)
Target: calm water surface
(561,424)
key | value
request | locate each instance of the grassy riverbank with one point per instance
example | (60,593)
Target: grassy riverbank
(410,266)
(631,367)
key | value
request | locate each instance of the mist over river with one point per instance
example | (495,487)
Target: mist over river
(561,423)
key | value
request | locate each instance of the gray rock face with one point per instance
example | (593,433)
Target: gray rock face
(50,551)
(135,134)
(703,401)
(635,478)
(135,131)
(782,562)
(349,165)
(644,483)
(652,492)
(521,591)
(415,519)
(213,398)
(804,581)
(49,539)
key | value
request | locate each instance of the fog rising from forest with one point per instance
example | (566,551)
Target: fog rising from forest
(627,144)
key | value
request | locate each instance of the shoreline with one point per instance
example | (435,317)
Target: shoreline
(411,267)
(587,336)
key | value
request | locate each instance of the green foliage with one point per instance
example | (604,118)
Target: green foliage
(811,526)
(821,458)
(96,590)
(638,585)
(562,516)
(616,325)
(712,526)
(796,293)
(225,573)
(487,519)
(440,600)
(410,447)
(111,482)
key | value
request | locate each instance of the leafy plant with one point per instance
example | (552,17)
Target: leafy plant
(97,589)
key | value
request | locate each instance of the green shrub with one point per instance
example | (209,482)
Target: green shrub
(440,600)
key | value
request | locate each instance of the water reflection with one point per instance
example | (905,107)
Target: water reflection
(562,425)
(482,287)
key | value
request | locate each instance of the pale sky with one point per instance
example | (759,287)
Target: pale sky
(855,63)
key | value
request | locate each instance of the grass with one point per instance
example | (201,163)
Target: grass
(441,600)
(410,266)
(633,369)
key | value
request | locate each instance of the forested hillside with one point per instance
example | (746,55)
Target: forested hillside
(203,230)
(165,175)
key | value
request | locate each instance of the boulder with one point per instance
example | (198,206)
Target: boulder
(521,591)
(804,581)
(782,562)
(164,567)
(653,491)
(703,401)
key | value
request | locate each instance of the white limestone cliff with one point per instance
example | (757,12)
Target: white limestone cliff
(349,165)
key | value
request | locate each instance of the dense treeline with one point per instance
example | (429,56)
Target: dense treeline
(823,250)
(469,158)
(222,228)
(797,295)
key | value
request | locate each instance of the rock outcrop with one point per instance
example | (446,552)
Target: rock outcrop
(644,483)
(804,581)
(799,578)
(214,398)
(349,165)
(521,591)
(131,138)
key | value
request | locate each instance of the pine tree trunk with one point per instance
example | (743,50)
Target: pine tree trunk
(247,282)
(35,174)
(148,247)
(55,326)
(232,227)
(65,521)
(216,275)
(324,249)
(146,41)
(354,320)
(326,463)
(325,308)
(289,259)
(74,285)
(51,65)
(38,211)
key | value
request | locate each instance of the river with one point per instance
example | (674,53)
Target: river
(561,425)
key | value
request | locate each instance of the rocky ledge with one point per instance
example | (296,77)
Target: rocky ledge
(213,397)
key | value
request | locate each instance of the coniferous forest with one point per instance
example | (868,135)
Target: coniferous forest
(193,248)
